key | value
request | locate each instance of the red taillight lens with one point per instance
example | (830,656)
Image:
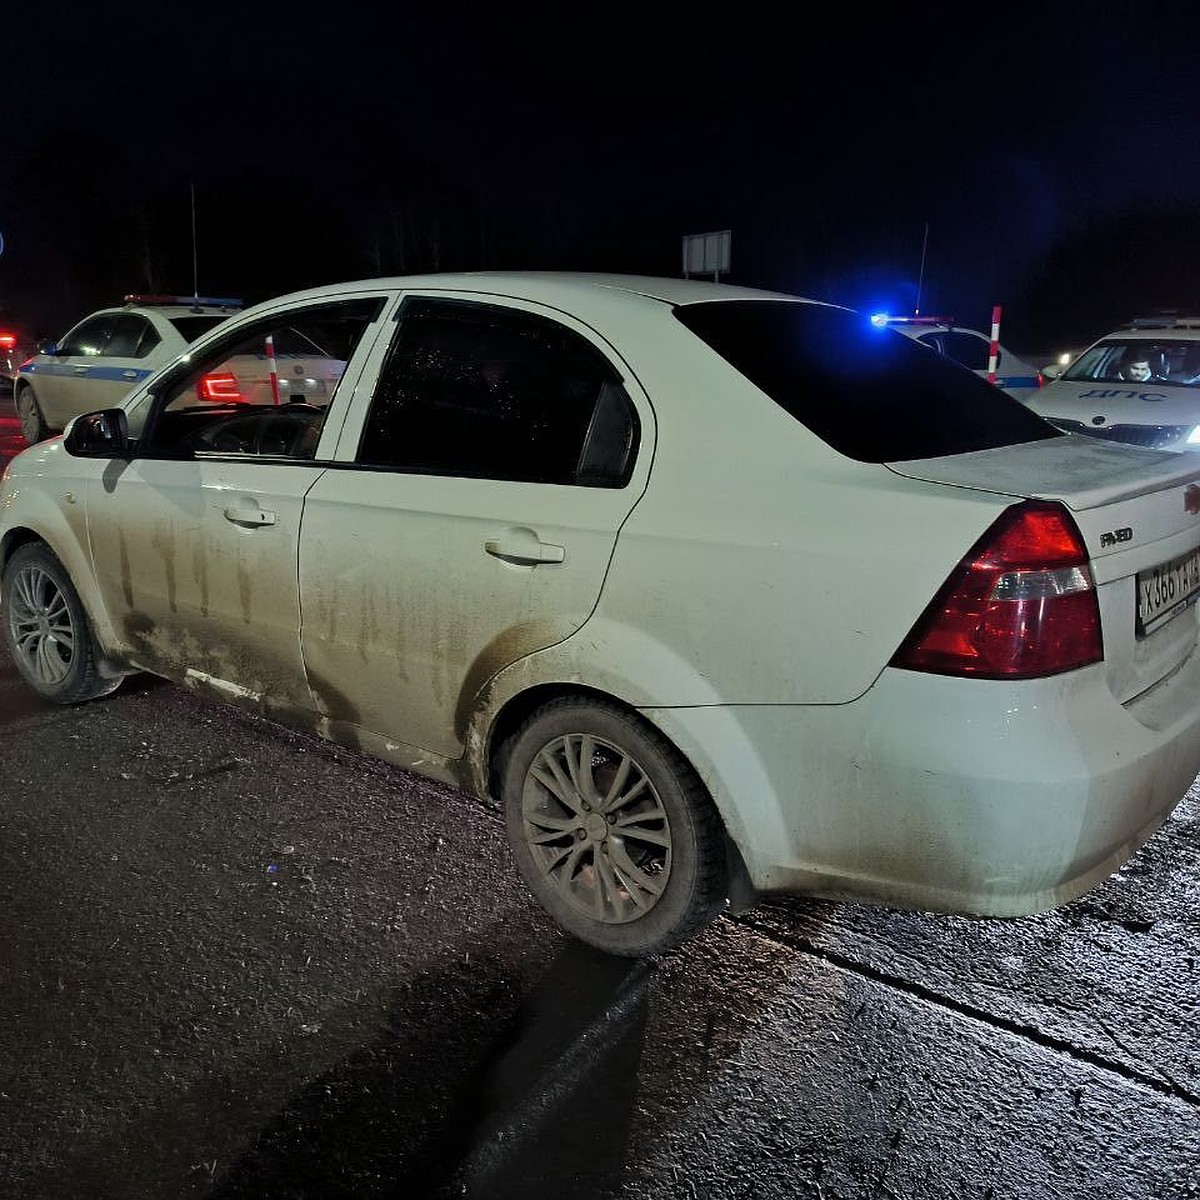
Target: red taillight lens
(221,387)
(1021,604)
(1041,379)
(7,341)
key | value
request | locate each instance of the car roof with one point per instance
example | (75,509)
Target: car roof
(554,286)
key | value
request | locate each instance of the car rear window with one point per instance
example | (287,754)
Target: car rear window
(871,393)
(192,327)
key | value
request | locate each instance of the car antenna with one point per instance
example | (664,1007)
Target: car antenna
(921,276)
(195,269)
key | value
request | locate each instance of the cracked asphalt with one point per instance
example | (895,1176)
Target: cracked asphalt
(239,962)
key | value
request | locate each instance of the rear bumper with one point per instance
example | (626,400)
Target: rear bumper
(973,796)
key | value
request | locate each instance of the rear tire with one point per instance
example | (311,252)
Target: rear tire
(46,630)
(33,425)
(611,828)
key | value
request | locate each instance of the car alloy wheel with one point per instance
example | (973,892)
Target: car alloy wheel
(33,427)
(47,630)
(39,621)
(611,828)
(597,828)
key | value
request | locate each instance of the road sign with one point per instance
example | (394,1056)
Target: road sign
(704,252)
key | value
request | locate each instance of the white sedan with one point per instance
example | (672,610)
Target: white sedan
(719,592)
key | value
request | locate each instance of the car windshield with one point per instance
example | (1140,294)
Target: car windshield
(192,327)
(1141,360)
(872,394)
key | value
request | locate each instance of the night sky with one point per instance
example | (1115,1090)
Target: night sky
(1051,165)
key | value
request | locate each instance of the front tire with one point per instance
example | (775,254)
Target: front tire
(33,425)
(611,828)
(46,630)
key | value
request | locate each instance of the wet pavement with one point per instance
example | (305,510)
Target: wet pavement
(241,962)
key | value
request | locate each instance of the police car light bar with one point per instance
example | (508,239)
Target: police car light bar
(1167,319)
(882,319)
(211,301)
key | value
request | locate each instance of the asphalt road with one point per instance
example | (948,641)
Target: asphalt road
(241,962)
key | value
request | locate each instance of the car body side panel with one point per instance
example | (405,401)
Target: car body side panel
(737,586)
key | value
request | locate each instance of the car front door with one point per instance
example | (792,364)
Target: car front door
(61,380)
(484,479)
(195,538)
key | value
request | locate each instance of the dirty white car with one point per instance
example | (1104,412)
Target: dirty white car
(718,591)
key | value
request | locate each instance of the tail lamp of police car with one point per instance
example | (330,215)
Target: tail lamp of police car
(219,387)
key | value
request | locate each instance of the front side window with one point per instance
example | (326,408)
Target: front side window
(872,394)
(89,338)
(483,391)
(263,390)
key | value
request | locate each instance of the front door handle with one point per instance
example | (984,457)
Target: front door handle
(80,370)
(249,516)
(524,547)
(129,374)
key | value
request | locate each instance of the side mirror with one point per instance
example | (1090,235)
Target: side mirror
(103,434)
(1053,370)
(47,347)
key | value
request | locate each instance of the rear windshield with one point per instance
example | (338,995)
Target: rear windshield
(871,393)
(193,327)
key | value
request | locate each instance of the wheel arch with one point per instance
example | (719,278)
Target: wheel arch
(23,535)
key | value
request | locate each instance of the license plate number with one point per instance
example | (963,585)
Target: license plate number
(1167,589)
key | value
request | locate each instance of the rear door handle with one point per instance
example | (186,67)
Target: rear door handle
(524,547)
(81,370)
(129,374)
(249,516)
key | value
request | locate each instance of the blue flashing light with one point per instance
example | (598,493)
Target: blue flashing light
(879,320)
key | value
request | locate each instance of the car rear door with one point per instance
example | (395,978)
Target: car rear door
(482,480)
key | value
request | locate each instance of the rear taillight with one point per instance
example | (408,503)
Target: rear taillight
(1041,379)
(7,341)
(219,387)
(1021,604)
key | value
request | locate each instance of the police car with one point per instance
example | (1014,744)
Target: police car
(970,348)
(107,354)
(1139,384)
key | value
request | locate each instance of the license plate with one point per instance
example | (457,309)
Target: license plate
(1167,589)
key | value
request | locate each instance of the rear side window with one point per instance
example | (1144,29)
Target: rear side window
(872,394)
(132,337)
(488,392)
(192,327)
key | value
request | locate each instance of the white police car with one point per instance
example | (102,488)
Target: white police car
(969,347)
(1139,384)
(107,354)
